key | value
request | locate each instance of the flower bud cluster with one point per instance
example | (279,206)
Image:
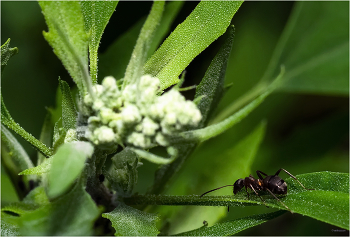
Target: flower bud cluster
(136,115)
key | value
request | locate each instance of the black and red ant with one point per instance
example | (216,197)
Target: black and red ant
(271,183)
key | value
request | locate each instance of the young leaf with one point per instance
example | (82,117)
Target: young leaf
(69,112)
(46,134)
(68,38)
(234,226)
(314,48)
(206,23)
(134,69)
(66,166)
(128,221)
(96,15)
(7,53)
(123,174)
(43,168)
(71,214)
(18,155)
(7,120)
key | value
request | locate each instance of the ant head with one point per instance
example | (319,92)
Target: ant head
(238,185)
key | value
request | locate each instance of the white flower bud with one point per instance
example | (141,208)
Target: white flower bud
(109,83)
(131,114)
(104,134)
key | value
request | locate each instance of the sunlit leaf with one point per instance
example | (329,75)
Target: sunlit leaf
(68,38)
(139,55)
(96,15)
(206,23)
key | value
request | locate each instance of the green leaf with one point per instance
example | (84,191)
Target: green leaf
(171,10)
(128,221)
(66,166)
(43,168)
(46,134)
(69,112)
(329,202)
(19,157)
(68,38)
(96,15)
(139,54)
(9,226)
(212,84)
(206,23)
(234,226)
(314,48)
(7,53)
(71,214)
(7,120)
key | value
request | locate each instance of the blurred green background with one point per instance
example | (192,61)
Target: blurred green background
(304,132)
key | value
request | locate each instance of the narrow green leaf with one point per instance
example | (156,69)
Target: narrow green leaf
(43,168)
(171,10)
(212,84)
(66,166)
(71,214)
(134,69)
(329,202)
(128,221)
(69,112)
(234,226)
(96,15)
(206,23)
(46,134)
(314,48)
(18,155)
(7,120)
(68,38)
(7,53)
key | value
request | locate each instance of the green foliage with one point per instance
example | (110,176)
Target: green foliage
(143,43)
(96,16)
(206,23)
(7,53)
(68,38)
(128,221)
(66,192)
(69,112)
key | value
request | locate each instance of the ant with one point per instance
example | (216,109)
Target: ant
(271,183)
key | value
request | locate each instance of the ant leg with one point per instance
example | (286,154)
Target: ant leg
(278,200)
(260,173)
(278,171)
(247,192)
(258,195)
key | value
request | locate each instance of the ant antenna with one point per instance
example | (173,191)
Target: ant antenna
(215,189)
